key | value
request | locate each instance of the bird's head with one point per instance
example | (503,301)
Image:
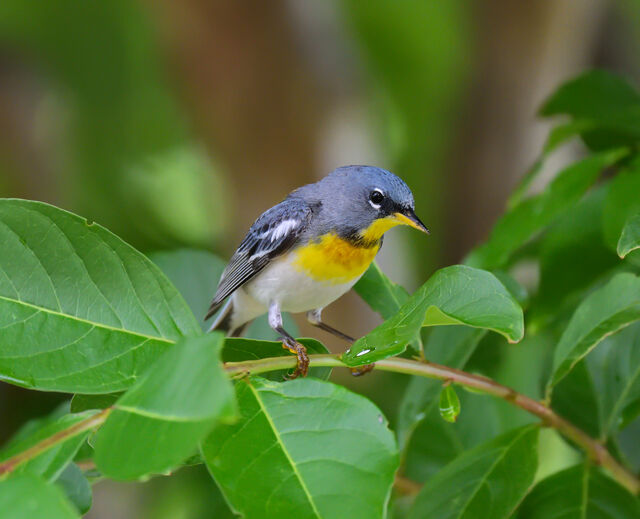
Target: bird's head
(364,202)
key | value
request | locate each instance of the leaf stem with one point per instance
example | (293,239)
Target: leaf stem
(596,451)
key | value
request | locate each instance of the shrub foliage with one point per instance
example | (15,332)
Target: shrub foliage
(82,312)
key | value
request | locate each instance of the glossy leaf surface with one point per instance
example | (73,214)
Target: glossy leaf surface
(80,310)
(304,449)
(453,295)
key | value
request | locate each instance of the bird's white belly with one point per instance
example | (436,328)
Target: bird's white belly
(292,288)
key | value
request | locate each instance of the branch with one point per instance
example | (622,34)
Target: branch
(595,450)
(59,437)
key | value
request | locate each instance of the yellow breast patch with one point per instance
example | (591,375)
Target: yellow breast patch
(334,260)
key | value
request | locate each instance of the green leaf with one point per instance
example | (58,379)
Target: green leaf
(76,487)
(521,223)
(303,449)
(615,368)
(449,404)
(449,345)
(159,422)
(27,496)
(380,293)
(51,462)
(195,273)
(383,296)
(606,104)
(453,295)
(488,481)
(573,255)
(630,237)
(577,493)
(80,310)
(241,349)
(601,394)
(603,312)
(575,399)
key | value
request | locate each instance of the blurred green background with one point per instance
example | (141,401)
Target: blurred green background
(175,124)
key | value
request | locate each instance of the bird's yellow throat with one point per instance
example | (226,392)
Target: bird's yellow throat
(334,260)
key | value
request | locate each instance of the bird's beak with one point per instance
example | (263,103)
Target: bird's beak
(408,217)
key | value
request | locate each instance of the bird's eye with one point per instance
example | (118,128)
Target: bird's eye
(376,197)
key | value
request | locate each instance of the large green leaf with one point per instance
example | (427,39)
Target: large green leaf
(80,310)
(241,349)
(487,481)
(51,462)
(603,312)
(630,237)
(580,492)
(529,217)
(303,449)
(607,105)
(453,295)
(28,497)
(159,422)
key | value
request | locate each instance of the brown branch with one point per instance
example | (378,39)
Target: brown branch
(595,450)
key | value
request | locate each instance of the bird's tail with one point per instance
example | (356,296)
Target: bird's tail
(223,321)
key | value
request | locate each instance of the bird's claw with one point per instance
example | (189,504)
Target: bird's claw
(302,368)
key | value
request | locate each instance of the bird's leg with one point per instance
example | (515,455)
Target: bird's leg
(315,318)
(288,342)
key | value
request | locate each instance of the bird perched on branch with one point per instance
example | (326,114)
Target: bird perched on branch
(309,249)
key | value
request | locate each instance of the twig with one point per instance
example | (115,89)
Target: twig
(595,450)
(63,435)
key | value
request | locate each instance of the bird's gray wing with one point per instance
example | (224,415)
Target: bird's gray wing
(276,231)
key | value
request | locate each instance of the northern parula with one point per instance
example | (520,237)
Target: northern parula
(309,249)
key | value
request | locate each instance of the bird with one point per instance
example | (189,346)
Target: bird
(308,250)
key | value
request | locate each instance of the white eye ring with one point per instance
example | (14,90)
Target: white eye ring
(373,204)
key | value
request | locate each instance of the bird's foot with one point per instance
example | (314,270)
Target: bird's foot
(299,351)
(362,370)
